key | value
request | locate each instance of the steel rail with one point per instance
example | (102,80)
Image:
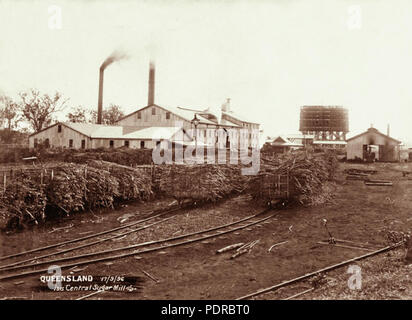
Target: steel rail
(85,255)
(11,266)
(329,268)
(125,255)
(92,235)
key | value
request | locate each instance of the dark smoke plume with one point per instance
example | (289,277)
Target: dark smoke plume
(115,56)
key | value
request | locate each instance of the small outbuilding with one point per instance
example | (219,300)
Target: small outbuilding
(373,145)
(281,144)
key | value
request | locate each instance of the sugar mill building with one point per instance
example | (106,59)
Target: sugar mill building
(373,145)
(141,128)
(92,136)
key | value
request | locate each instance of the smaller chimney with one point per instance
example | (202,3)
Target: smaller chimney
(151,84)
(226,105)
(388,130)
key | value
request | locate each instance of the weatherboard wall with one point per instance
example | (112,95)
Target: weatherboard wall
(60,139)
(390,147)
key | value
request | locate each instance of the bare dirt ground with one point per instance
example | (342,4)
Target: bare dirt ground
(359,213)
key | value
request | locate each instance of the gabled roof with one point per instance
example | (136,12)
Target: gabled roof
(82,128)
(184,114)
(93,130)
(188,114)
(283,141)
(101,131)
(155,133)
(373,130)
(237,116)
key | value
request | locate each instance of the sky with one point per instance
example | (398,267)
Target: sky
(269,57)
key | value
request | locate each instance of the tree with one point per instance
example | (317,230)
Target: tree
(109,116)
(8,112)
(39,109)
(112,114)
(78,115)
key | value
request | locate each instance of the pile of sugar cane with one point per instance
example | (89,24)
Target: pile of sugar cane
(204,182)
(308,175)
(68,188)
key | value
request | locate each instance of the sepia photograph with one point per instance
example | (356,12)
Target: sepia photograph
(225,155)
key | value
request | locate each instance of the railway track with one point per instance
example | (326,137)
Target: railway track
(130,250)
(317,272)
(151,215)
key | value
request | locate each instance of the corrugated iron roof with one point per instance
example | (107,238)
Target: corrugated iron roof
(285,142)
(96,130)
(157,133)
(100,131)
(238,117)
(374,130)
(189,113)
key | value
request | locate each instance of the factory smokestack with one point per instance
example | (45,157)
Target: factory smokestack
(115,56)
(388,130)
(100,101)
(151,84)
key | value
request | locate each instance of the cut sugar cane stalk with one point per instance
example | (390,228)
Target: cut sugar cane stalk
(239,253)
(245,249)
(253,244)
(277,244)
(148,275)
(247,245)
(231,247)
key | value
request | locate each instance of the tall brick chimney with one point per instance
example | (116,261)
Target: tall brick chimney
(151,84)
(100,100)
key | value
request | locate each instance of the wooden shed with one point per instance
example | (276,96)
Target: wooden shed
(373,145)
